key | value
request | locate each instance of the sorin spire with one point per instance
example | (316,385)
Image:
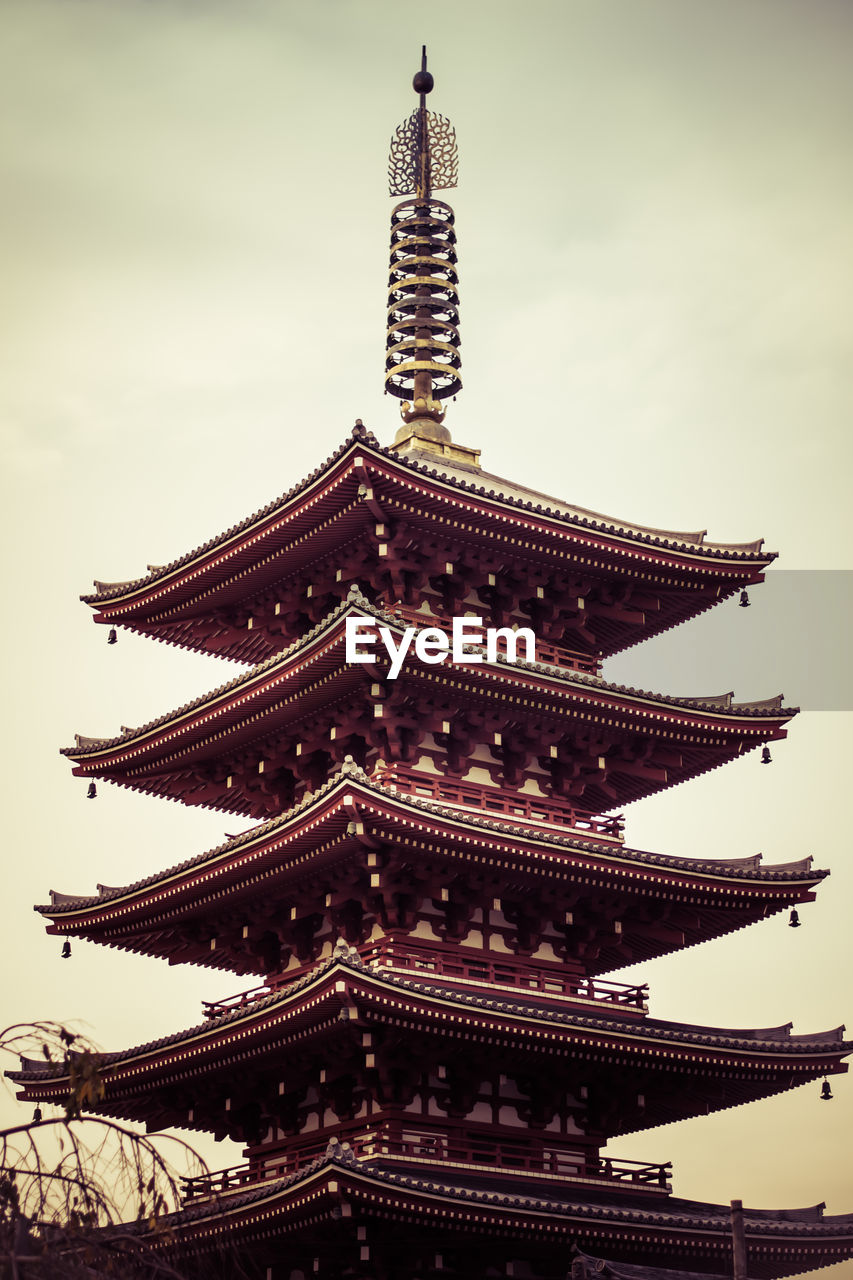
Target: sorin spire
(422,350)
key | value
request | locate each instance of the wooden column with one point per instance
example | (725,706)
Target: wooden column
(738,1242)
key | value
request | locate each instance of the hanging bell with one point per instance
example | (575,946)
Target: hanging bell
(92,791)
(37,1116)
(766,757)
(825,1092)
(794,922)
(112,638)
(66,950)
(744,600)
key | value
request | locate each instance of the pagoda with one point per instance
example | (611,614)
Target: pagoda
(431,1055)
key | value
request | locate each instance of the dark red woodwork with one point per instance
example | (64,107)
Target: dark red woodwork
(275,734)
(392,525)
(345,860)
(437,886)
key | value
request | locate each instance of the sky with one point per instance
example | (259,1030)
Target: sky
(654,216)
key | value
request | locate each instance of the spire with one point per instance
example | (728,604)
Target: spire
(422,358)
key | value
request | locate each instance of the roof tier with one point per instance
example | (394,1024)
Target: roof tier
(442,1222)
(419,532)
(337,862)
(255,744)
(366,1033)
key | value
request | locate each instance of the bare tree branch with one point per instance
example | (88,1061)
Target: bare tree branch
(83,1195)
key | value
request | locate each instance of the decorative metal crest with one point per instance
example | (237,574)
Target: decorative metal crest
(442,160)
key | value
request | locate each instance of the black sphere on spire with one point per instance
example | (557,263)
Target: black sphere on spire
(423,82)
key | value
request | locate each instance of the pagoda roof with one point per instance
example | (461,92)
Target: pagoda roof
(457,473)
(291,531)
(357,604)
(458,1209)
(312,673)
(781,1242)
(341,990)
(726,893)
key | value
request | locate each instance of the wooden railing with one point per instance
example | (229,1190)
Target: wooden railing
(524,975)
(554,654)
(411,957)
(504,801)
(536,1159)
(468,966)
(213,1008)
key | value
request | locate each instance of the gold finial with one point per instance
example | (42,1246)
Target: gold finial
(422,358)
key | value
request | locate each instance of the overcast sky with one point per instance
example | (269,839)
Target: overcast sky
(654,217)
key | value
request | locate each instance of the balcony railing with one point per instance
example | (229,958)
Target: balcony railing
(502,801)
(214,1008)
(554,654)
(523,976)
(534,1160)
(468,969)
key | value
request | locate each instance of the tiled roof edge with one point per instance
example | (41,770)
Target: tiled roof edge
(673,1212)
(347,957)
(746,868)
(670,539)
(768,706)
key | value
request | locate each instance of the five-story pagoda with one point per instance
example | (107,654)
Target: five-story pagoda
(433,1057)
